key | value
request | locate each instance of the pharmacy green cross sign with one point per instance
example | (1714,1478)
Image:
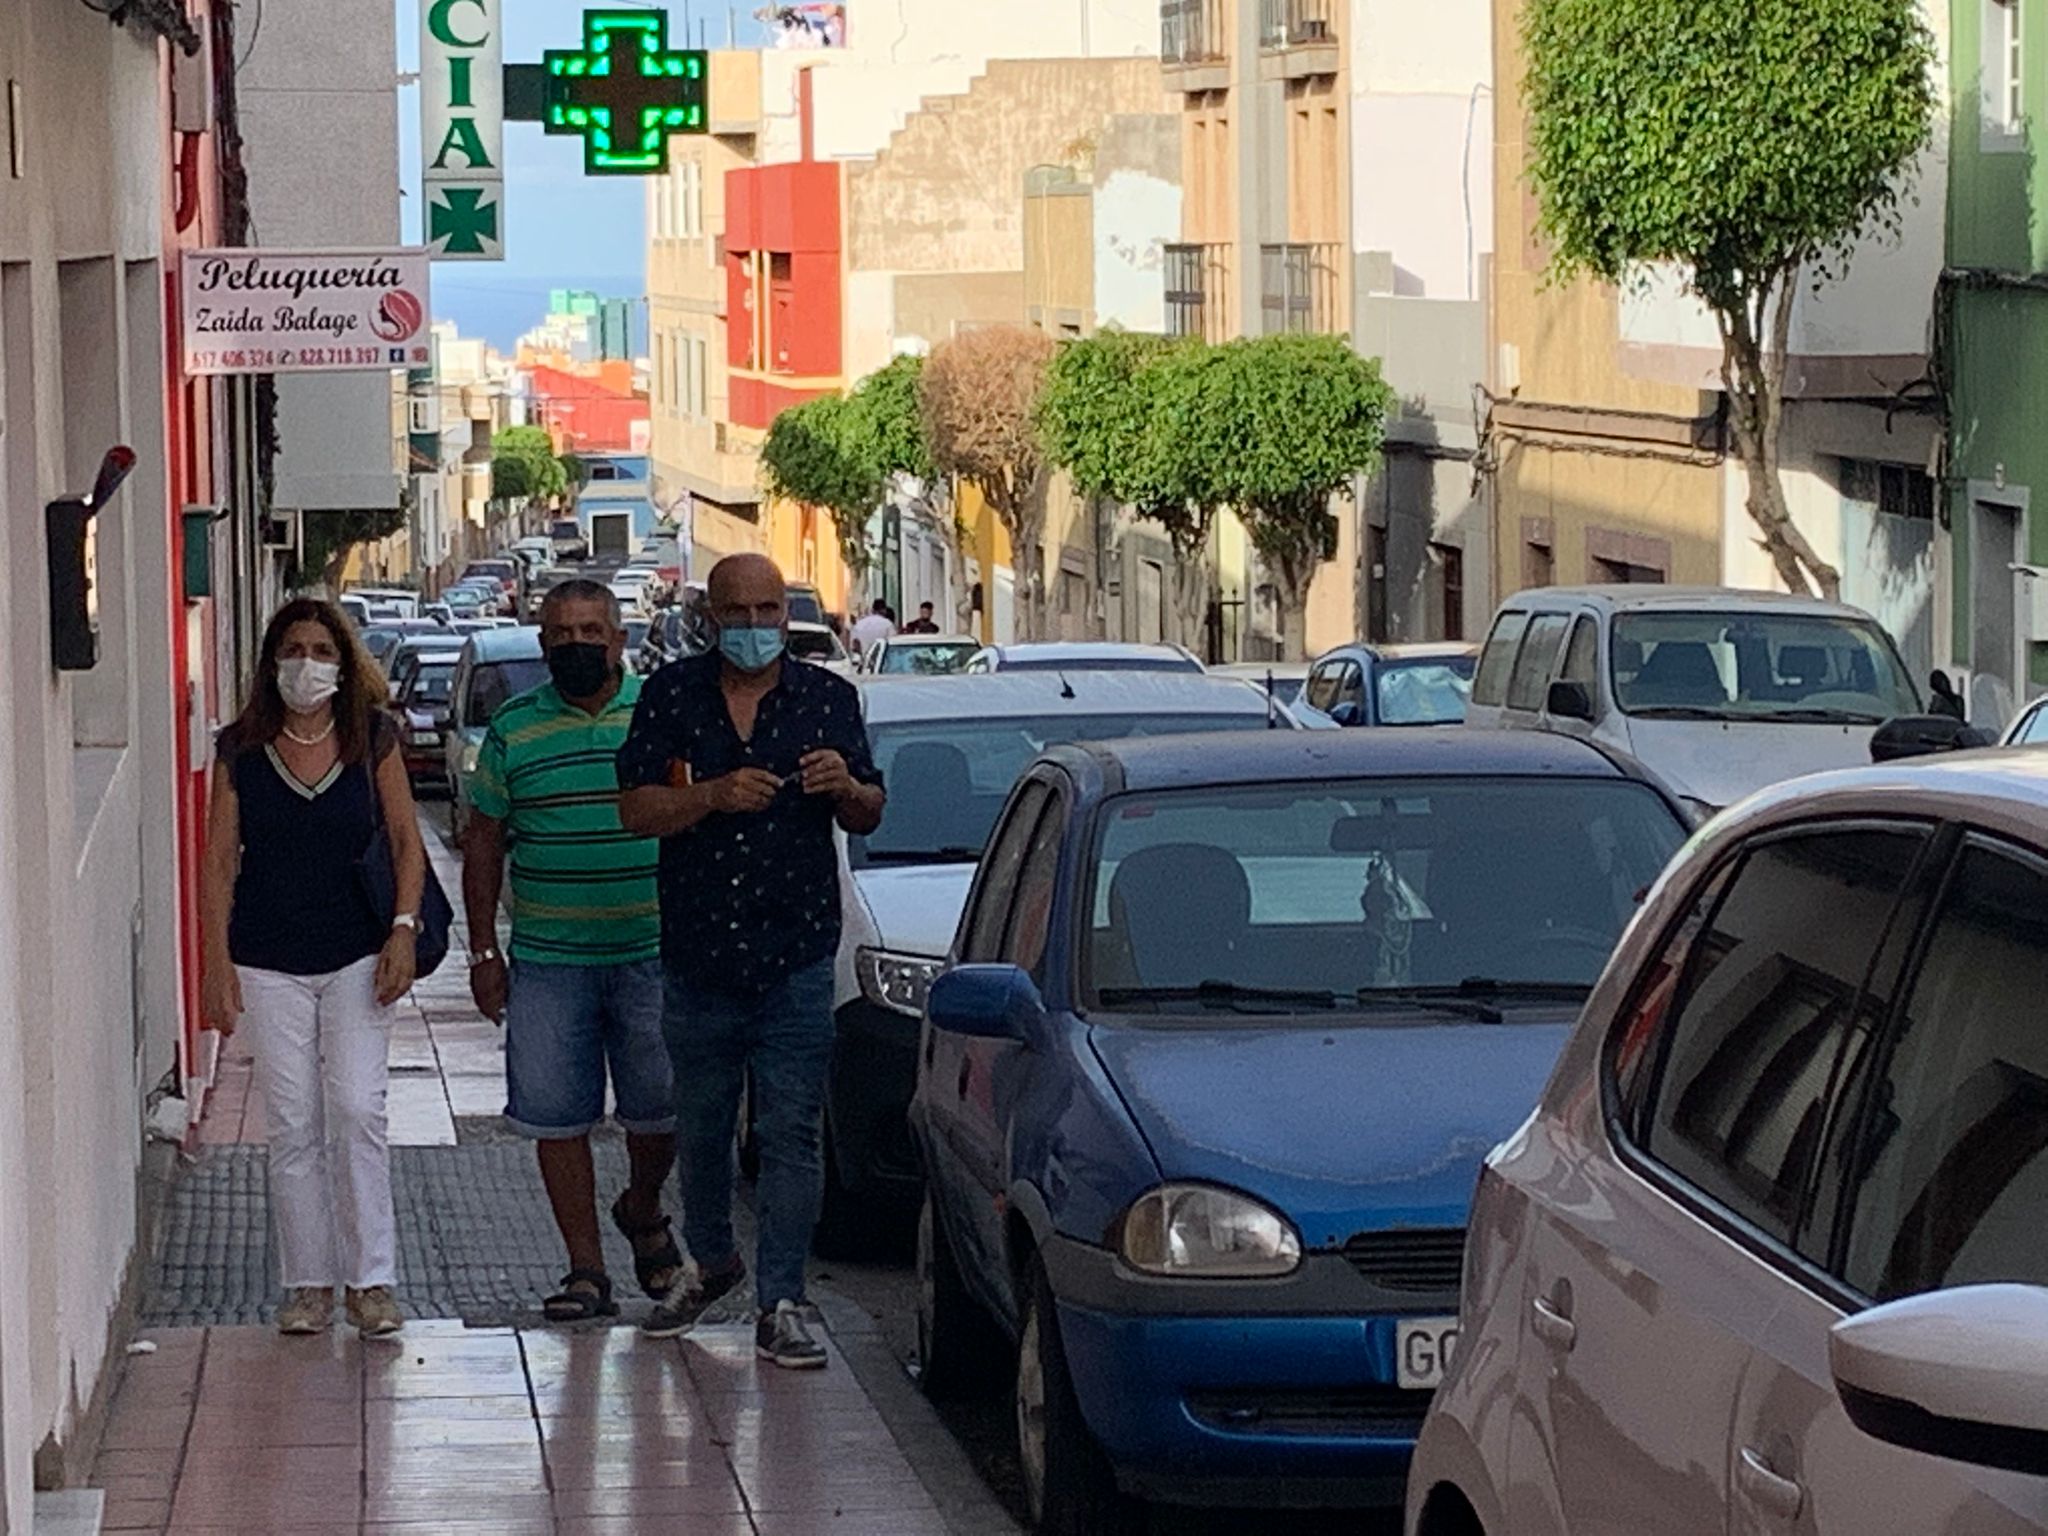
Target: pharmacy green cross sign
(625,91)
(461,223)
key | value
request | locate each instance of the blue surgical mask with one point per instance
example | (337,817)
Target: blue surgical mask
(751,650)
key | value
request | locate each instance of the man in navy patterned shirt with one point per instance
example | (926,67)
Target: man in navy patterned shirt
(742,762)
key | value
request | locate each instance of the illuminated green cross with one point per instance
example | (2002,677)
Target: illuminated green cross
(625,91)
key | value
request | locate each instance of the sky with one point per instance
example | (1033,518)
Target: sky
(563,229)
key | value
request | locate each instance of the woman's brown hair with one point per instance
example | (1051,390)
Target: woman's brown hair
(359,702)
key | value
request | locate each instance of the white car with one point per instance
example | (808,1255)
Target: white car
(1717,691)
(919,655)
(1084,656)
(950,748)
(1769,1255)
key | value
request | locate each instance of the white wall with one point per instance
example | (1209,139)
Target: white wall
(1422,141)
(1136,216)
(319,103)
(87,771)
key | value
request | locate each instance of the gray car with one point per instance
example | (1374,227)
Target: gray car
(1768,1257)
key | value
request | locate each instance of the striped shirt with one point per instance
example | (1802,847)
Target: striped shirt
(583,890)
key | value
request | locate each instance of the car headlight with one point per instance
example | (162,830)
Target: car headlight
(898,983)
(1199,1232)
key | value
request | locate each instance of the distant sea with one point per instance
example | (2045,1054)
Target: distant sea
(501,306)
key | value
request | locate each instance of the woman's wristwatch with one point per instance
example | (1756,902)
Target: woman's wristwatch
(484,957)
(408,920)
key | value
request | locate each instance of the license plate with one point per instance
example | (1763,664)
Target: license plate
(1423,1349)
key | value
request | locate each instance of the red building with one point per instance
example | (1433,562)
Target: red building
(784,281)
(593,411)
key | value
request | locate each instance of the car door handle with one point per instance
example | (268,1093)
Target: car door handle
(1766,1487)
(1550,1324)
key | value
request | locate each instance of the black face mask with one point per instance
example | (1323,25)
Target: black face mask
(580,669)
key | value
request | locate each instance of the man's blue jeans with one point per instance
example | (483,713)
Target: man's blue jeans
(784,1037)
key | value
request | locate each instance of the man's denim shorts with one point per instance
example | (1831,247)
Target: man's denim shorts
(563,1025)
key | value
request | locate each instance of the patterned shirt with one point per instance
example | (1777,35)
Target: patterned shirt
(583,889)
(746,900)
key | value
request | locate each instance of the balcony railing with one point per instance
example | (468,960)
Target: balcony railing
(1192,31)
(1298,287)
(1197,291)
(1297,23)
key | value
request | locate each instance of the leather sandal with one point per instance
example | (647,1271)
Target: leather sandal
(585,1296)
(651,1266)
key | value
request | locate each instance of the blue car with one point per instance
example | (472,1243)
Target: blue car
(1228,1026)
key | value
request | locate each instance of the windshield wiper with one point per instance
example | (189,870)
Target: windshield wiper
(953,854)
(1681,712)
(1219,994)
(1450,1000)
(1827,716)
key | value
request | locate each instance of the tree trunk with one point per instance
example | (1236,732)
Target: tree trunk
(1193,591)
(1295,577)
(1753,374)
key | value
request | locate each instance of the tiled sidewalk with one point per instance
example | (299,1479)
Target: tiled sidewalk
(457,1430)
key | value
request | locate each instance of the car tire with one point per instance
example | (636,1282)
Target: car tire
(845,1229)
(1070,1488)
(959,1352)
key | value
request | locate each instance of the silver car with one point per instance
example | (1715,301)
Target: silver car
(1769,1256)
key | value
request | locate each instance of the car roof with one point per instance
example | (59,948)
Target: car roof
(890,698)
(1995,786)
(902,639)
(431,640)
(1258,671)
(1088,650)
(1259,757)
(521,644)
(1650,598)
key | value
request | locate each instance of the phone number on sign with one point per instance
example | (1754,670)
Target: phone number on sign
(290,357)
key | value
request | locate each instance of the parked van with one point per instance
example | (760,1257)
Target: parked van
(1720,692)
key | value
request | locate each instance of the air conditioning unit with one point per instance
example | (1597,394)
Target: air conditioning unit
(280,532)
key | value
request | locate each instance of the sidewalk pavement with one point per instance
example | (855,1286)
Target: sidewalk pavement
(478,1417)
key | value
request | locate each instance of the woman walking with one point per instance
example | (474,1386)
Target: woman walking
(294,945)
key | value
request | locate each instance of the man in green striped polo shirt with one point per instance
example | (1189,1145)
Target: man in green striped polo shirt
(583,991)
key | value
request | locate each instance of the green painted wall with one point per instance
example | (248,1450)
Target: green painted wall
(1998,338)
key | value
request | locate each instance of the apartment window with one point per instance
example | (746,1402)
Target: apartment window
(2002,108)
(664,206)
(693,379)
(1539,556)
(1901,490)
(1449,560)
(690,199)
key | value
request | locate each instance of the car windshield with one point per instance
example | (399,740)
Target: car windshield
(494,682)
(430,684)
(380,643)
(1787,667)
(933,660)
(1463,893)
(948,779)
(804,607)
(816,645)
(1431,692)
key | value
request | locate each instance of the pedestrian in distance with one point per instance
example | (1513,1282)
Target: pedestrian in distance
(581,996)
(875,624)
(924,623)
(743,762)
(296,949)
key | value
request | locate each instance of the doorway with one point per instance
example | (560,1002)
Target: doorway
(1994,613)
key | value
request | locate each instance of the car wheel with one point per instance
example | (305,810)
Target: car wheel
(959,1353)
(1069,1486)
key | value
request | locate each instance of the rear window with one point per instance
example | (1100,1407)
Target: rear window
(1490,684)
(1533,663)
(492,683)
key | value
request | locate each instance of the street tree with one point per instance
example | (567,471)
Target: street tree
(979,395)
(812,456)
(525,467)
(1750,144)
(1113,418)
(888,431)
(1286,425)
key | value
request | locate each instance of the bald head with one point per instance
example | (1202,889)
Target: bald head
(747,591)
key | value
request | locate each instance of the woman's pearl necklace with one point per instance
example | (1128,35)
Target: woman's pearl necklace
(310,741)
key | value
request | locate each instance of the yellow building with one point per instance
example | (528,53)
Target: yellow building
(1597,475)
(1264,248)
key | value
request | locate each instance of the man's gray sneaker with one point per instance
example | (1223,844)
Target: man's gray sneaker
(784,1338)
(692,1296)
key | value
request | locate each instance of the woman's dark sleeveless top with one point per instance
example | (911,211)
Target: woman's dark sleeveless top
(300,907)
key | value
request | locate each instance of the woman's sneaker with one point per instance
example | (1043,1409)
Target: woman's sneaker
(308,1309)
(691,1297)
(784,1338)
(374,1311)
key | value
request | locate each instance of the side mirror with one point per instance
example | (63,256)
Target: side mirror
(1923,735)
(985,1002)
(1960,1374)
(1570,701)
(1347,714)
